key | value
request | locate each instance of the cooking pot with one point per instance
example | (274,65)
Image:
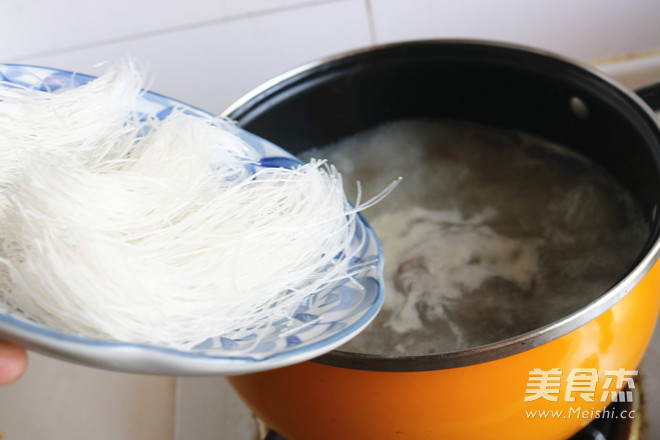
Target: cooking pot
(492,391)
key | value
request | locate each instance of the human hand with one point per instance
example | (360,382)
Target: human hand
(13,362)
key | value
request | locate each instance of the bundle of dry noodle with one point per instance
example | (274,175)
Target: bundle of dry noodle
(150,231)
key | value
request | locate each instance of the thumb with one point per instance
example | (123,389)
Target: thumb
(13,362)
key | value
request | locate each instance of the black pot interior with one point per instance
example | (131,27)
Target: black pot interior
(488,84)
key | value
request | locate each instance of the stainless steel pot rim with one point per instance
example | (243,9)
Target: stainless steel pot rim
(507,347)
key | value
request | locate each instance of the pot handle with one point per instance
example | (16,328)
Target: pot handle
(651,95)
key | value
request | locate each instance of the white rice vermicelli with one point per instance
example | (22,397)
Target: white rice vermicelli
(155,231)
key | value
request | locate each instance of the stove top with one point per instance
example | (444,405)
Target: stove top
(599,429)
(617,429)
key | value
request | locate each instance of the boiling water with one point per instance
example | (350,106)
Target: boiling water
(489,235)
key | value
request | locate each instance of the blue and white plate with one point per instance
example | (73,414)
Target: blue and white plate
(325,321)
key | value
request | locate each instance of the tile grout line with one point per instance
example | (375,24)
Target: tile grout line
(176,411)
(370,21)
(173,29)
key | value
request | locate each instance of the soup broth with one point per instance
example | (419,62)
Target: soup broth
(489,235)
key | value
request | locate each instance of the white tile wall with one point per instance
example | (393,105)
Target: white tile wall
(213,64)
(59,400)
(580,29)
(207,408)
(37,27)
(635,72)
(210,52)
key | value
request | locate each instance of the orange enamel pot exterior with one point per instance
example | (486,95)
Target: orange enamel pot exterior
(483,401)
(497,391)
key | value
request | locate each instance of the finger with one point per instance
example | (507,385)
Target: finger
(13,362)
